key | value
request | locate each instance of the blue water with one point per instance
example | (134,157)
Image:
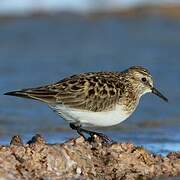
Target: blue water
(38,51)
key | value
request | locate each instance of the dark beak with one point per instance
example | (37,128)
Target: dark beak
(156,92)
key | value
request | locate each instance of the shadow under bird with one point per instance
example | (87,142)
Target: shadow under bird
(95,99)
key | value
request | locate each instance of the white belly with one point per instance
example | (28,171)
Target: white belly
(89,118)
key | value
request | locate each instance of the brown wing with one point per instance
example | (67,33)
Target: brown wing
(89,91)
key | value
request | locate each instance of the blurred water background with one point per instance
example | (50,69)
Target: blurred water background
(37,50)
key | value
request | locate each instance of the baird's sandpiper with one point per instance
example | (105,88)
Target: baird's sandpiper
(95,98)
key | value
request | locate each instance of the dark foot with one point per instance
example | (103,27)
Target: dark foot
(102,136)
(91,133)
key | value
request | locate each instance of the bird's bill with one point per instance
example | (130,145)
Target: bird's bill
(156,92)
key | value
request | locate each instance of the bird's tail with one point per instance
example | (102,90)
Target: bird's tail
(21,93)
(41,94)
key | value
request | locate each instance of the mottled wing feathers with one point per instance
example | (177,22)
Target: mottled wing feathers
(88,91)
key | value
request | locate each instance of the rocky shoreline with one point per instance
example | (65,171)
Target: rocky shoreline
(80,159)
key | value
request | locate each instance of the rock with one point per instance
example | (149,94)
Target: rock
(80,159)
(16,141)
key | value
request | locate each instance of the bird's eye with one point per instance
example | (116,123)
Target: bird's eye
(143,79)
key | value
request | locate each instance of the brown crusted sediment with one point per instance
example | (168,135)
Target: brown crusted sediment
(79,159)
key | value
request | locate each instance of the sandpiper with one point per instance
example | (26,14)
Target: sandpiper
(95,98)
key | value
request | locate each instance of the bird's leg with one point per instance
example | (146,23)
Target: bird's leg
(79,130)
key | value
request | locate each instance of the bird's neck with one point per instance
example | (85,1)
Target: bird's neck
(131,98)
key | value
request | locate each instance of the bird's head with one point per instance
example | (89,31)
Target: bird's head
(143,81)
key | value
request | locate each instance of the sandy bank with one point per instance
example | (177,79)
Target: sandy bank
(79,159)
